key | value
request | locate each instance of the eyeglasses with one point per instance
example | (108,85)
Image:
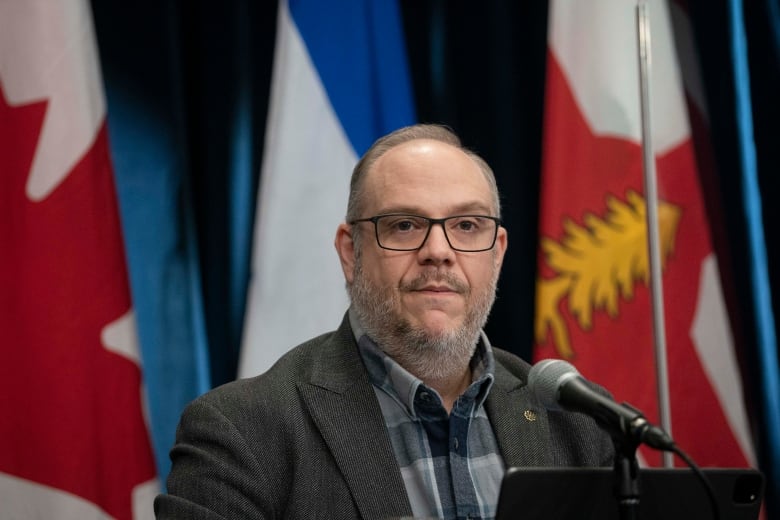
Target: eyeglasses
(465,233)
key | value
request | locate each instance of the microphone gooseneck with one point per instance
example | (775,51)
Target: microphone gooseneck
(559,386)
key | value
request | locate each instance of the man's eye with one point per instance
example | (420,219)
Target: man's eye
(404,225)
(466,225)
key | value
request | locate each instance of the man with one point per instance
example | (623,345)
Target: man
(406,409)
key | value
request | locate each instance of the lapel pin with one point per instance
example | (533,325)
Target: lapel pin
(529,415)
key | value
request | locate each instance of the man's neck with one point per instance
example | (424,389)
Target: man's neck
(450,388)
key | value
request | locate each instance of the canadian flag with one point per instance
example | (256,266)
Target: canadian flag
(75,441)
(593,297)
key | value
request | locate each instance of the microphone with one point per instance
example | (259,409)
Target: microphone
(559,386)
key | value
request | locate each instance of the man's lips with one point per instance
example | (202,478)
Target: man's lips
(437,289)
(443,284)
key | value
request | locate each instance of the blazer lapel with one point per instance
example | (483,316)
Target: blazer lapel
(519,422)
(342,402)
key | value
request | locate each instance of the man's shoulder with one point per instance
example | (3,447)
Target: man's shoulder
(319,358)
(301,359)
(511,363)
(293,365)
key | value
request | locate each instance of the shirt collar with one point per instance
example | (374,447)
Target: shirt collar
(385,373)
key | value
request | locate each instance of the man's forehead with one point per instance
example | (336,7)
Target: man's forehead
(419,158)
(427,175)
(423,146)
(467,207)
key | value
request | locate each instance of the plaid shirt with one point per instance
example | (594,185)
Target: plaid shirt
(450,464)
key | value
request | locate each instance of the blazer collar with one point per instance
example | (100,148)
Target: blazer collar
(342,403)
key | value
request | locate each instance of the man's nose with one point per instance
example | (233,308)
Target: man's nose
(436,248)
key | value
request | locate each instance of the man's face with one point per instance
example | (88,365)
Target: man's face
(435,292)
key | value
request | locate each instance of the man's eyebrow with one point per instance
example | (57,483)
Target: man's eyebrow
(471,208)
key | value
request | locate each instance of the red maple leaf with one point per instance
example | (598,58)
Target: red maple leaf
(70,410)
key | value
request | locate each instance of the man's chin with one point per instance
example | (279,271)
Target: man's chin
(439,337)
(437,327)
(441,314)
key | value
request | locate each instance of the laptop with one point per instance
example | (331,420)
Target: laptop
(669,494)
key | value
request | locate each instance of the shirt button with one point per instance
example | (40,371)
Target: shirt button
(456,444)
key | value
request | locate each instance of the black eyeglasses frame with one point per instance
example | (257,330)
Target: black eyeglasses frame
(431,223)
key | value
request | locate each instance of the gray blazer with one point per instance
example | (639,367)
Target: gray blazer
(307,440)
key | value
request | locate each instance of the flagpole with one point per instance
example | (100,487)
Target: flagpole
(651,202)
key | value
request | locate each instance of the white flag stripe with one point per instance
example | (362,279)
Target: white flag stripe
(297,287)
(25,499)
(33,500)
(711,335)
(607,89)
(143,499)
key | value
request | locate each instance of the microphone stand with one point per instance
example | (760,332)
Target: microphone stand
(626,484)
(626,477)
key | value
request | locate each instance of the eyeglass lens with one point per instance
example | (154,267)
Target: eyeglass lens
(408,232)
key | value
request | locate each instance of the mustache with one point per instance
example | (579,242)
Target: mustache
(441,278)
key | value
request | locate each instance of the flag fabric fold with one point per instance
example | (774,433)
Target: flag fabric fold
(153,187)
(71,395)
(340,81)
(593,300)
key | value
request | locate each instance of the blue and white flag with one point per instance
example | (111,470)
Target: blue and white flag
(340,80)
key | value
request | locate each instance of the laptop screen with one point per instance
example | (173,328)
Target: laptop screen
(670,494)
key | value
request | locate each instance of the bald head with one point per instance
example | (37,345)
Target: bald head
(442,134)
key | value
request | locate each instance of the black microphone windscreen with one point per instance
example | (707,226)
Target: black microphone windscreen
(546,378)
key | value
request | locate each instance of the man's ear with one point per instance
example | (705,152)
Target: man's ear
(345,247)
(502,241)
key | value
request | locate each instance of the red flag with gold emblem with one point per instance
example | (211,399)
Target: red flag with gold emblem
(75,442)
(593,299)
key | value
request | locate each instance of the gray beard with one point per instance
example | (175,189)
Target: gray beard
(430,357)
